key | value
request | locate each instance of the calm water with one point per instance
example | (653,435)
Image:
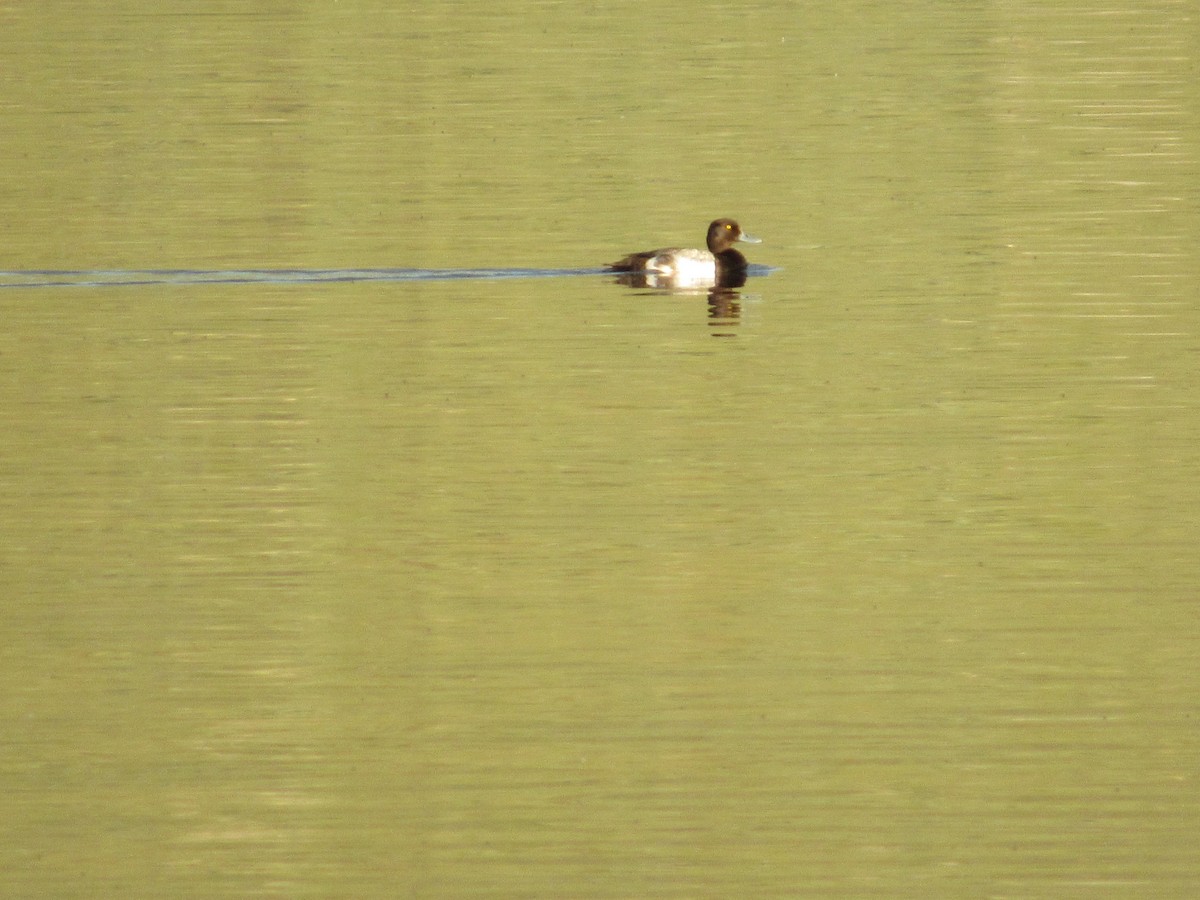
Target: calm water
(877,578)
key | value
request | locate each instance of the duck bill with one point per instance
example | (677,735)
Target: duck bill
(749,239)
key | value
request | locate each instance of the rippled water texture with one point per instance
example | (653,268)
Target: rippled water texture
(322,577)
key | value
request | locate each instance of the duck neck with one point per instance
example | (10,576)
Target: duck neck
(730,259)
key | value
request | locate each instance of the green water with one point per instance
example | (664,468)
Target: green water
(878,581)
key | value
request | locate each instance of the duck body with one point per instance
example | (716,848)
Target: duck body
(718,264)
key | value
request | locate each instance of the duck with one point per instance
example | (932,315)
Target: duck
(719,264)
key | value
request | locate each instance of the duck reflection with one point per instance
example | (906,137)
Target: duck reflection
(680,284)
(724,310)
(724,298)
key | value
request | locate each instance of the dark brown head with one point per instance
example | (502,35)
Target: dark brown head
(724,233)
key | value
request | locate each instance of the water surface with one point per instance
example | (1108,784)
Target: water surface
(530,587)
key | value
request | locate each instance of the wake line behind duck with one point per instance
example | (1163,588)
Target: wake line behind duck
(720,266)
(138,277)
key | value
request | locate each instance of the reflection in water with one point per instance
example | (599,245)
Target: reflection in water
(724,298)
(724,311)
(682,283)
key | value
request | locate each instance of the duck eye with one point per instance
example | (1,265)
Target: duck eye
(729,228)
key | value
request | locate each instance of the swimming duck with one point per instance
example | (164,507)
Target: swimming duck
(718,264)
